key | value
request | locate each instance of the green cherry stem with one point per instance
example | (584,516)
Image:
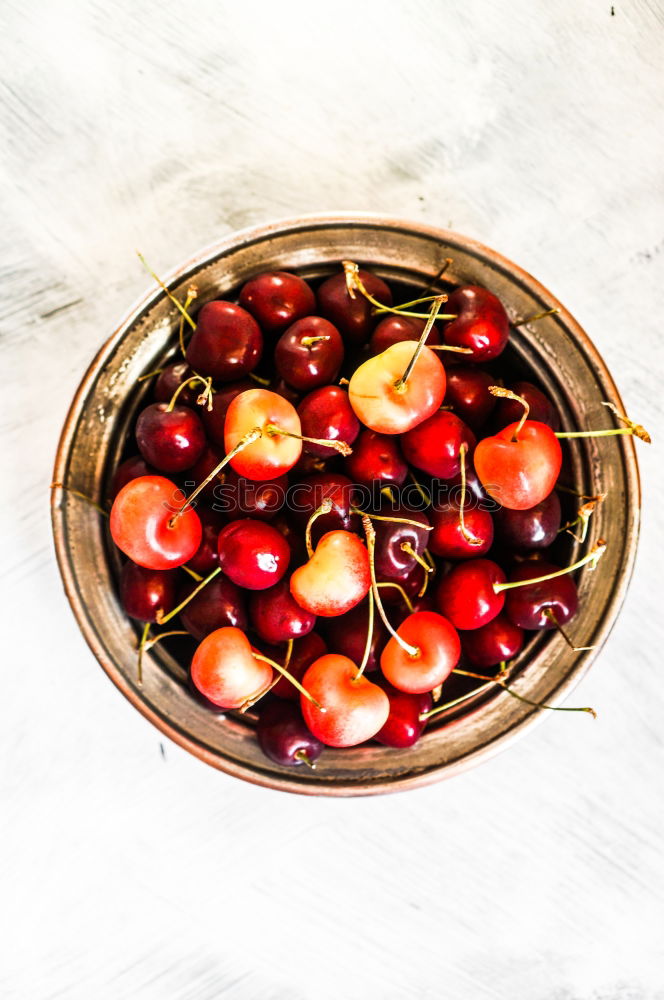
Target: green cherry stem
(536,704)
(273,683)
(396,520)
(207,384)
(141,646)
(355,284)
(191,295)
(550,614)
(181,309)
(367,646)
(535,317)
(371,548)
(409,550)
(302,755)
(420,489)
(455,701)
(400,384)
(293,680)
(248,439)
(637,430)
(162,619)
(163,635)
(258,379)
(81,496)
(397,586)
(324,508)
(592,558)
(192,573)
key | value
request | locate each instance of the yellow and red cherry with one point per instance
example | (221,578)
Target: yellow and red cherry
(498,641)
(309,354)
(131,468)
(376,458)
(394,329)
(438,649)
(347,635)
(540,605)
(305,650)
(277,617)
(147,594)
(481,324)
(509,411)
(355,708)
(466,594)
(520,464)
(404,724)
(219,604)
(336,578)
(467,392)
(171,439)
(307,497)
(241,497)
(434,446)
(253,554)
(387,403)
(352,315)
(225,670)
(276,299)
(149,523)
(274,452)
(169,381)
(206,558)
(326,415)
(283,736)
(534,528)
(215,419)
(455,539)
(227,342)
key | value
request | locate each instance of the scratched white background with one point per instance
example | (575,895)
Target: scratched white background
(534,126)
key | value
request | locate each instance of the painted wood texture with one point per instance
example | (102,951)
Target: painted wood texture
(128,869)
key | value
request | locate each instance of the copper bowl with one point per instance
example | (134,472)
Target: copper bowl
(567,365)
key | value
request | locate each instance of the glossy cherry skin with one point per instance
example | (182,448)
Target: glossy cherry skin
(481,323)
(276,299)
(448,540)
(393,329)
(434,445)
(519,474)
(241,497)
(347,635)
(283,736)
(305,650)
(404,726)
(214,420)
(494,643)
(140,524)
(252,554)
(381,405)
(307,496)
(376,458)
(468,394)
(219,604)
(336,578)
(225,670)
(145,593)
(390,561)
(277,617)
(327,414)
(466,596)
(439,649)
(272,454)
(294,536)
(207,557)
(535,528)
(508,411)
(169,381)
(227,342)
(171,442)
(353,317)
(131,468)
(306,365)
(527,606)
(355,709)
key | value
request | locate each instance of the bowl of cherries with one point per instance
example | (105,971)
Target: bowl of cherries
(346,504)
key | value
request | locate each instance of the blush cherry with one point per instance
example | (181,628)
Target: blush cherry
(252,554)
(466,594)
(150,524)
(276,299)
(283,736)
(225,670)
(171,439)
(309,354)
(215,419)
(336,578)
(355,709)
(481,324)
(437,646)
(227,342)
(520,464)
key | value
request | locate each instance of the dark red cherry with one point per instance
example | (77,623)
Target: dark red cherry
(529,607)
(404,726)
(214,419)
(481,323)
(396,541)
(218,604)
(509,411)
(283,736)
(208,461)
(307,496)
(169,381)
(493,643)
(447,538)
(294,535)
(254,555)
(376,458)
(207,557)
(467,392)
(394,329)
(282,388)
(131,468)
(536,528)
(170,441)
(276,299)
(146,592)
(326,413)
(242,497)
(411,583)
(305,650)
(353,317)
(277,617)
(433,446)
(465,595)
(309,354)
(227,342)
(310,465)
(347,635)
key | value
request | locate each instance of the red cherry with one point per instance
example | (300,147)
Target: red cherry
(227,342)
(386,405)
(207,557)
(448,539)
(509,411)
(353,317)
(535,528)
(276,299)
(327,414)
(307,496)
(481,323)
(225,670)
(272,454)
(519,473)
(336,578)
(309,353)
(468,394)
(438,648)
(215,419)
(466,596)
(147,593)
(170,440)
(376,458)
(393,329)
(145,527)
(531,607)
(240,497)
(355,709)
(131,468)
(305,651)
(434,445)
(252,554)
(392,562)
(294,537)
(404,726)
(169,381)
(277,617)
(283,736)
(219,604)
(209,459)
(493,643)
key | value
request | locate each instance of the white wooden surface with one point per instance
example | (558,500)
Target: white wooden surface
(129,869)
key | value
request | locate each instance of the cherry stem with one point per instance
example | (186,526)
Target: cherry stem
(308,341)
(204,396)
(192,573)
(631,428)
(413,302)
(583,518)
(259,379)
(324,508)
(248,439)
(141,646)
(163,635)
(425,716)
(400,383)
(168,292)
(252,701)
(550,614)
(354,283)
(302,755)
(191,295)
(599,497)
(388,492)
(409,550)
(499,390)
(425,579)
(144,378)
(344,449)
(162,619)
(397,586)
(449,347)
(371,548)
(535,317)
(81,496)
(592,557)
(536,704)
(396,520)
(293,680)
(420,489)
(367,646)
(434,281)
(468,535)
